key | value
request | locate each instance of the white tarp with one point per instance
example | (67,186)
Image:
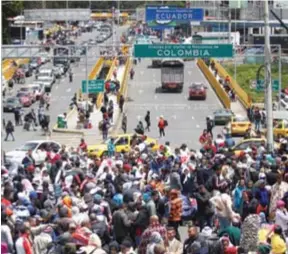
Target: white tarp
(57,14)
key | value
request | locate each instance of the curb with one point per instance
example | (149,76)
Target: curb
(68,131)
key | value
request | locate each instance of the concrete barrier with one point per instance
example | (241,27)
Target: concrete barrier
(243,97)
(96,69)
(222,95)
(124,83)
(109,75)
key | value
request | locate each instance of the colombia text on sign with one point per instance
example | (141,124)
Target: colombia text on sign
(182,50)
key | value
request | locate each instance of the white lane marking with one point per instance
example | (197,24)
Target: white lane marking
(68,90)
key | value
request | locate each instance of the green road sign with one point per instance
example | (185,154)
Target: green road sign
(94,86)
(260,86)
(183,50)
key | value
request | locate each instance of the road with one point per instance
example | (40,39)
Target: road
(186,119)
(61,95)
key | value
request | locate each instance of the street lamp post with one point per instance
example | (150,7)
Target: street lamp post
(270,141)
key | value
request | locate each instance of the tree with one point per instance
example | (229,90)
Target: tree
(9,9)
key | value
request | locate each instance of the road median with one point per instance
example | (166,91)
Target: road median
(222,95)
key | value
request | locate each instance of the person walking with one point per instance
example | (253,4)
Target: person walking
(209,125)
(148,121)
(70,77)
(47,100)
(121,103)
(162,124)
(124,123)
(9,130)
(105,127)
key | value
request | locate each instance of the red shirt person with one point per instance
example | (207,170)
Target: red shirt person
(83,145)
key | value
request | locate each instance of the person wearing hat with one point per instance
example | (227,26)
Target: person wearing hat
(281,216)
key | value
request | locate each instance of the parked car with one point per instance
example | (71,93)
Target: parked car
(27,69)
(10,104)
(29,91)
(38,148)
(24,99)
(197,91)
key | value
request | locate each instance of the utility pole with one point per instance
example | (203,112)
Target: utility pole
(229,25)
(268,85)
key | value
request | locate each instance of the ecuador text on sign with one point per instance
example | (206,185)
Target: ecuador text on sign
(94,86)
(183,50)
(156,13)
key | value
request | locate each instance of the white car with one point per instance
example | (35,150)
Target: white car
(58,70)
(44,73)
(38,148)
(47,82)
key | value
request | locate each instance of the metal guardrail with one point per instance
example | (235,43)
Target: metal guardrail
(108,77)
(222,95)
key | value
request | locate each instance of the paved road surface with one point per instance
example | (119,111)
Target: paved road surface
(186,119)
(62,92)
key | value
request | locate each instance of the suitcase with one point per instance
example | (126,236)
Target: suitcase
(27,126)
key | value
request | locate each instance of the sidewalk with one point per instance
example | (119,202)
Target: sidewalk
(236,106)
(94,135)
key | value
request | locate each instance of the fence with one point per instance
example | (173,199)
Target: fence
(108,77)
(124,80)
(222,95)
(241,94)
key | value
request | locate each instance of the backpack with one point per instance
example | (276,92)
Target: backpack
(189,206)
(165,123)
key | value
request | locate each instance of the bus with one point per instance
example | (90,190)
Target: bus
(172,74)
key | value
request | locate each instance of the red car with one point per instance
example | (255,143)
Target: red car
(197,91)
(24,99)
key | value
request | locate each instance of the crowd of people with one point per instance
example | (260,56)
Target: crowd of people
(123,202)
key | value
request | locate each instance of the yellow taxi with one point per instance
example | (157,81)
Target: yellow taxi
(122,142)
(239,125)
(244,144)
(280,124)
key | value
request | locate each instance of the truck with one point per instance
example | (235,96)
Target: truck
(172,74)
